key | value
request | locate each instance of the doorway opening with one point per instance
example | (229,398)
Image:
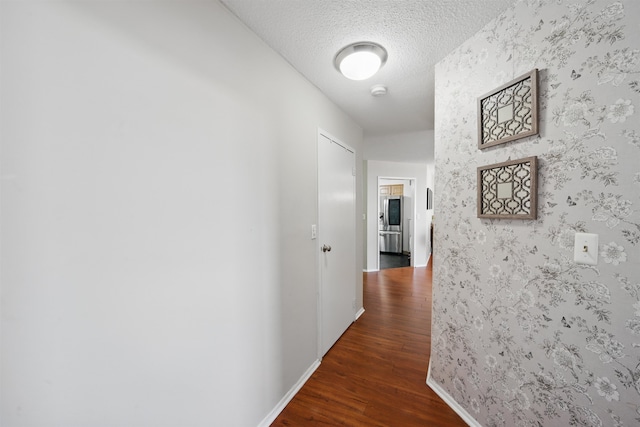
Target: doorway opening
(396,221)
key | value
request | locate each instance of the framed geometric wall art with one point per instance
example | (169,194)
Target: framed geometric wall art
(510,112)
(509,190)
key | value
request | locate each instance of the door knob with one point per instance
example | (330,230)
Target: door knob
(326,248)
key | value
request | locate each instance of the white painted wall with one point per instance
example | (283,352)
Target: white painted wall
(137,288)
(374,170)
(411,147)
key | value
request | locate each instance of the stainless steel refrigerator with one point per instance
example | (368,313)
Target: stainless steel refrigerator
(390,224)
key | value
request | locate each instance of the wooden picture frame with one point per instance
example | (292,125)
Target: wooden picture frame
(509,190)
(509,112)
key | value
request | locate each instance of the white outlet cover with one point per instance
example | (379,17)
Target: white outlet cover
(585,249)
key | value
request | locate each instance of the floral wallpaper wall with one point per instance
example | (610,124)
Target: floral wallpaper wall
(523,336)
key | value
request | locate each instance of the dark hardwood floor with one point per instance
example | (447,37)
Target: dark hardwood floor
(375,374)
(388,260)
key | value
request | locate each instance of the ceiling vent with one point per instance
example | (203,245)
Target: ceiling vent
(378,90)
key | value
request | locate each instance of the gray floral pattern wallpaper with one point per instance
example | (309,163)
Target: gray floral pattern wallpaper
(522,335)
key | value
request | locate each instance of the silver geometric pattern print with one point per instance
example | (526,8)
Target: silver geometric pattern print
(509,112)
(508,190)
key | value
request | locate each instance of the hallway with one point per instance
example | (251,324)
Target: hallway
(375,374)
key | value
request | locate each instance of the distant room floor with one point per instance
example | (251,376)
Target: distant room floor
(389,260)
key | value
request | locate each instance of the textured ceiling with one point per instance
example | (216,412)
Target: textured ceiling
(416,34)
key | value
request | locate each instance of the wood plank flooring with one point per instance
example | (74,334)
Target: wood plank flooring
(375,374)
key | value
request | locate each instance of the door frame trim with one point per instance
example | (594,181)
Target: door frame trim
(413,215)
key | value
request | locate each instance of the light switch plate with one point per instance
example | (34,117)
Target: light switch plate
(585,249)
(314,231)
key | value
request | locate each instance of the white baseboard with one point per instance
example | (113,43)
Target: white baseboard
(450,401)
(266,422)
(359,313)
(369,271)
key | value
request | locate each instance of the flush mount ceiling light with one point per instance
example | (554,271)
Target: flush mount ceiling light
(359,61)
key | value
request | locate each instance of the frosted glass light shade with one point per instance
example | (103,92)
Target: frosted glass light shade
(360,65)
(360,61)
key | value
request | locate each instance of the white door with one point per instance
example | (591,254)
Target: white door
(337,240)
